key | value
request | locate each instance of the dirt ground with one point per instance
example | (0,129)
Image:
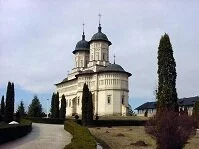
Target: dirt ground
(124,137)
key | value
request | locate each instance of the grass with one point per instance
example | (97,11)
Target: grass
(124,137)
(82,138)
(123,118)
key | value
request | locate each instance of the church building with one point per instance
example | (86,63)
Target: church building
(108,82)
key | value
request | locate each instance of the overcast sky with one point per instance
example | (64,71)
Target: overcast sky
(37,39)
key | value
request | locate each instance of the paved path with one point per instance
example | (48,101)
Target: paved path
(43,136)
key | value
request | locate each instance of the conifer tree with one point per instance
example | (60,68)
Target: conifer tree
(85,97)
(63,107)
(13,97)
(35,108)
(166,94)
(90,108)
(9,104)
(87,106)
(21,109)
(56,105)
(196,111)
(53,106)
(2,106)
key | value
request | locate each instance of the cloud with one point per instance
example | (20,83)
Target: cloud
(38,37)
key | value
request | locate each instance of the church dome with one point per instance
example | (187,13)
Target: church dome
(82,45)
(99,36)
(114,67)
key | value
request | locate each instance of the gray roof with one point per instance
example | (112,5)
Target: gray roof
(99,36)
(113,67)
(82,45)
(147,105)
(188,101)
(181,102)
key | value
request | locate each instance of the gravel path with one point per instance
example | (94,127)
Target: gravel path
(43,136)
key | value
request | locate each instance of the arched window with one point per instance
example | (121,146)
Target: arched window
(103,56)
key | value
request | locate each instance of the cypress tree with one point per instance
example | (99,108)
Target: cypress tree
(85,97)
(53,106)
(13,97)
(8,109)
(90,108)
(195,113)
(56,105)
(2,106)
(166,94)
(63,107)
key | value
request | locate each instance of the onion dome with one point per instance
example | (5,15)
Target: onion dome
(82,45)
(114,67)
(99,36)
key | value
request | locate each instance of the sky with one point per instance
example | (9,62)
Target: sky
(37,39)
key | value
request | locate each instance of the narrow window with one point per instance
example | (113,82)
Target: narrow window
(122,99)
(78,100)
(103,56)
(109,99)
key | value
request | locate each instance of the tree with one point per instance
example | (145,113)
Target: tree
(63,107)
(56,105)
(196,111)
(35,108)
(2,106)
(170,130)
(85,97)
(9,103)
(21,109)
(87,106)
(90,108)
(166,93)
(52,109)
(12,97)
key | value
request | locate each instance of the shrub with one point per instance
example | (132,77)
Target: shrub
(81,136)
(12,132)
(46,120)
(170,130)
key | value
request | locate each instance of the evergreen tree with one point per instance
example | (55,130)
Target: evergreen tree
(87,106)
(12,97)
(63,107)
(9,104)
(56,105)
(85,97)
(2,106)
(90,108)
(52,109)
(35,108)
(195,113)
(21,109)
(166,94)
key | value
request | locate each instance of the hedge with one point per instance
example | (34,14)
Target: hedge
(107,123)
(46,120)
(82,138)
(12,132)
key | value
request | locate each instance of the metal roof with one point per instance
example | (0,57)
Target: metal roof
(181,102)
